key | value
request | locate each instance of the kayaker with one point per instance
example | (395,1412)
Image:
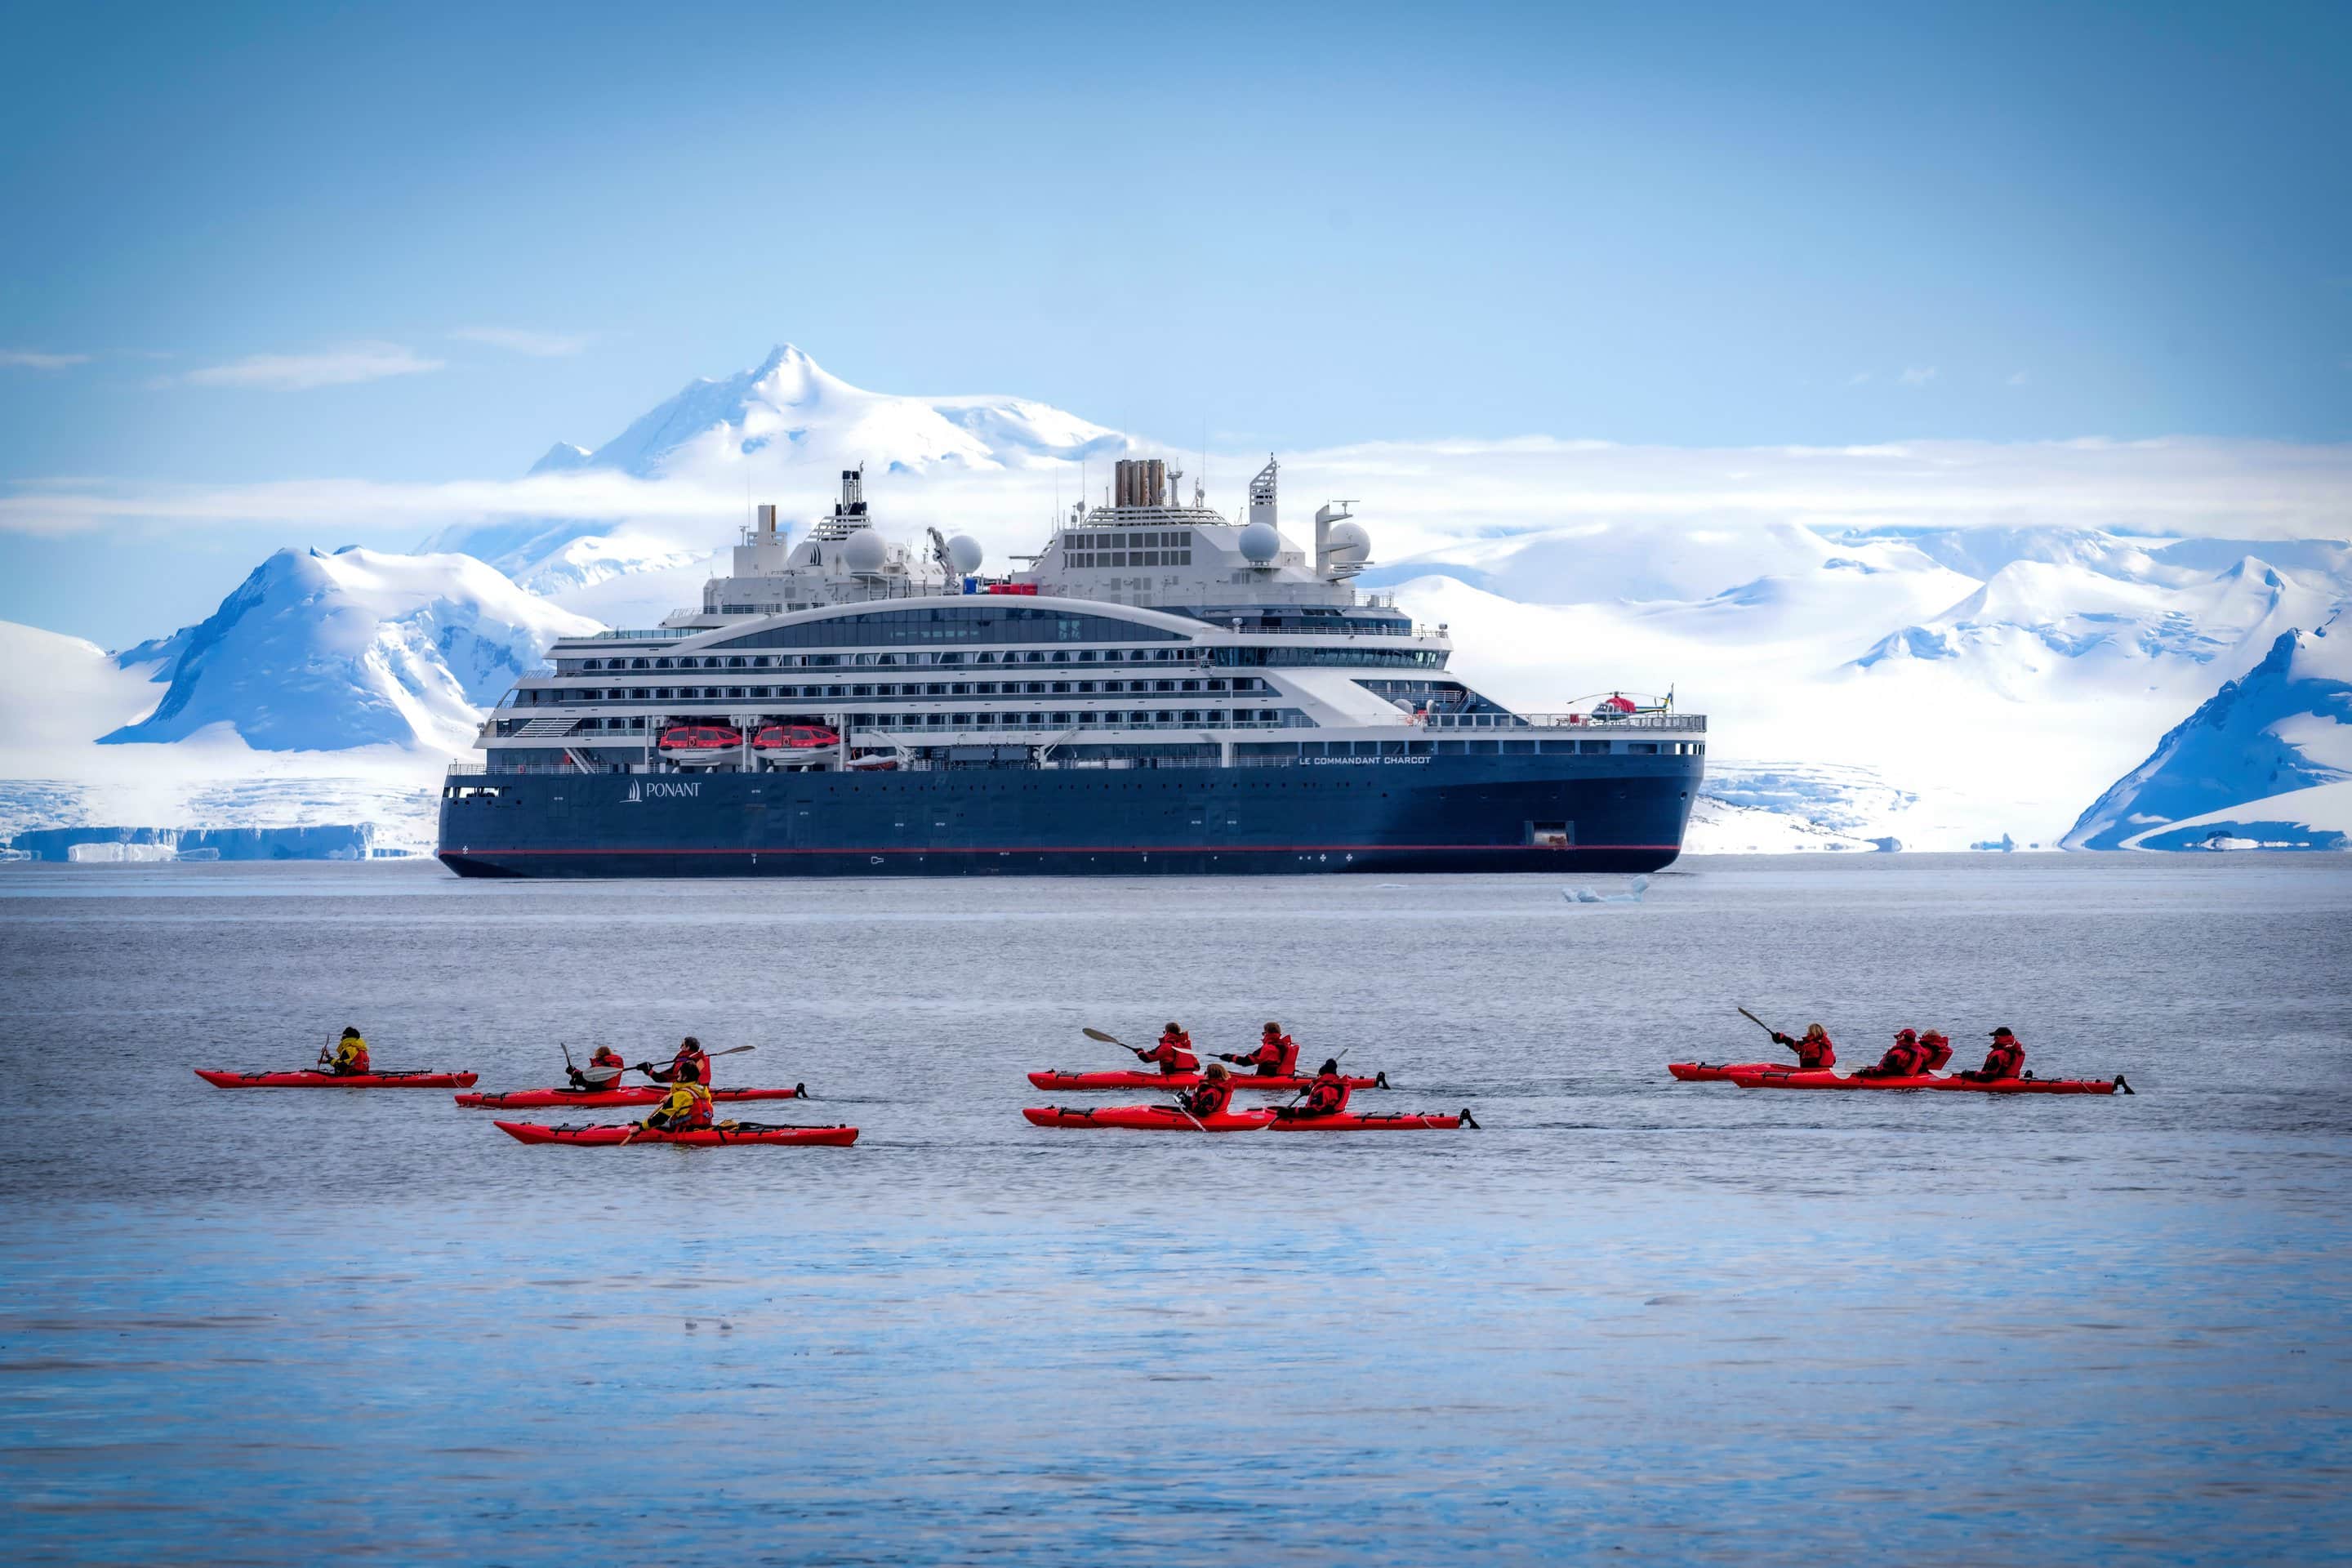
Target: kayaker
(1935,1051)
(1902,1059)
(1173,1053)
(691,1058)
(604,1070)
(1276,1055)
(2003,1061)
(1327,1096)
(350,1056)
(1814,1052)
(1210,1096)
(686,1107)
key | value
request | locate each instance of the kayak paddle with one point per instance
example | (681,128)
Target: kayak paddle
(1758,1022)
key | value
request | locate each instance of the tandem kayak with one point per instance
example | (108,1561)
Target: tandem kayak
(648,1094)
(1089,1082)
(1788,1078)
(220,1079)
(1376,1122)
(1703,1072)
(700,1137)
(1148,1119)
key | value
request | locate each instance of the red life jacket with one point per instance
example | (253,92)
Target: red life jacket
(1900,1061)
(1811,1055)
(1275,1057)
(696,1054)
(1327,1096)
(1935,1053)
(607,1056)
(1209,1097)
(1174,1054)
(2003,1061)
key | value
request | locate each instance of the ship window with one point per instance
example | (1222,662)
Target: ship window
(1554,747)
(639,664)
(1643,748)
(1518,748)
(661,664)
(1485,748)
(1191,685)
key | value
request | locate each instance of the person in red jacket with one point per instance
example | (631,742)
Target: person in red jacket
(2003,1061)
(1210,1096)
(691,1065)
(1327,1096)
(1276,1056)
(1814,1052)
(604,1070)
(1173,1054)
(1902,1059)
(1935,1051)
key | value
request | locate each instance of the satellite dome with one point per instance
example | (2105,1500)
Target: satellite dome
(1260,542)
(864,552)
(964,554)
(1348,545)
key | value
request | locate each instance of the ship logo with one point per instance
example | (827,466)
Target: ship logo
(635,796)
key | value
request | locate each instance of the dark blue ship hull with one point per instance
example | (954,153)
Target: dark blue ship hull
(1438,814)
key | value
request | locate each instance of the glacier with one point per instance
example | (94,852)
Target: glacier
(2266,760)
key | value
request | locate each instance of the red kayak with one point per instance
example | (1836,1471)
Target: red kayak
(1790,1078)
(700,1137)
(1375,1121)
(594,1099)
(1702,1072)
(219,1079)
(1089,1082)
(1148,1119)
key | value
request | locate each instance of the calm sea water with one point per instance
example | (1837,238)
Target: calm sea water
(1630,1321)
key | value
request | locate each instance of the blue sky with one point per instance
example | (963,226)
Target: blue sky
(248,244)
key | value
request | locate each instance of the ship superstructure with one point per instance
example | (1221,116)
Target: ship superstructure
(1160,689)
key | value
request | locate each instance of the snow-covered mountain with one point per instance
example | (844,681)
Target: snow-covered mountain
(786,427)
(2266,760)
(317,652)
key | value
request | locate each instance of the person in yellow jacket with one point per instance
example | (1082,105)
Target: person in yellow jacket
(685,1109)
(350,1056)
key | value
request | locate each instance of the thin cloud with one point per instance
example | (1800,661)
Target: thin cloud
(34,359)
(301,373)
(2020,378)
(1418,496)
(538,345)
(1918,375)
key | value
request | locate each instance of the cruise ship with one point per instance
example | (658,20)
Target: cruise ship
(1163,690)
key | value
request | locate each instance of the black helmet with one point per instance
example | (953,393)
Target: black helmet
(2004,1029)
(1330,1065)
(350,1032)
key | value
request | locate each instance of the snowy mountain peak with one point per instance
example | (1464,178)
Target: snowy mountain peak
(2263,760)
(316,652)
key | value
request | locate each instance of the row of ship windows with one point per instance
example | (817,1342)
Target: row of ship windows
(1117,718)
(1128,558)
(834,661)
(539,696)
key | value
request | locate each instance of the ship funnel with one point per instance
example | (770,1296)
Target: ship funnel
(1139,481)
(768,518)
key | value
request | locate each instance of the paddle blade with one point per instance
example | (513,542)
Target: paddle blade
(1107,1040)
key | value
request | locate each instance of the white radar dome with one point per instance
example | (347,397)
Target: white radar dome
(1261,543)
(1348,545)
(964,554)
(864,552)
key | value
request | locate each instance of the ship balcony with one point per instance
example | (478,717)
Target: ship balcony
(1693,723)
